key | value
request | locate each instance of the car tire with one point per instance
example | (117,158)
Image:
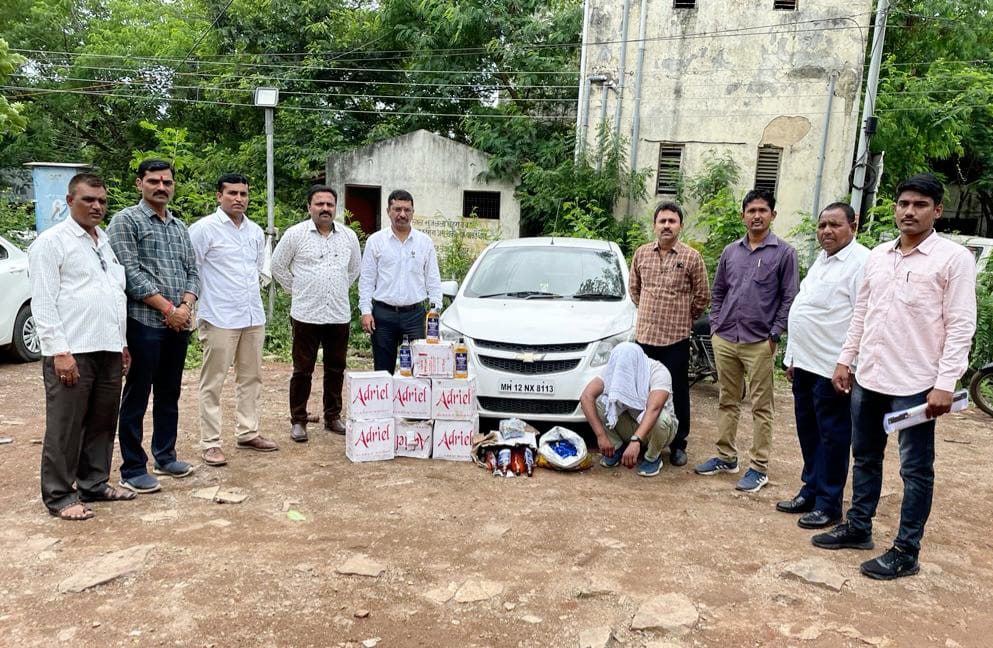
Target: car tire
(26,346)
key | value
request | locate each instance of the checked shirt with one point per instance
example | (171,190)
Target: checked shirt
(670,290)
(157,257)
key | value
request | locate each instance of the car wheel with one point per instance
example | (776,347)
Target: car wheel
(27,344)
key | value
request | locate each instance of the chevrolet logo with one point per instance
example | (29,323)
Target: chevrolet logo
(529,357)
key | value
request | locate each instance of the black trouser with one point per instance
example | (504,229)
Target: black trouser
(676,358)
(307,338)
(824,429)
(391,325)
(79,428)
(158,356)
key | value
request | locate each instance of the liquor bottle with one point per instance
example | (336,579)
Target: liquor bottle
(432,326)
(406,358)
(461,359)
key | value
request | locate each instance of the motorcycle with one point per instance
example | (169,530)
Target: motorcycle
(702,363)
(981,388)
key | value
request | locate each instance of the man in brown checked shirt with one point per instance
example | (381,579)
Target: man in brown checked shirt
(669,285)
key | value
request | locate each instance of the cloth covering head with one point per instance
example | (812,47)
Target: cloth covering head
(625,381)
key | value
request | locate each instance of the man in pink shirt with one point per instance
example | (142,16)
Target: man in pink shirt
(909,337)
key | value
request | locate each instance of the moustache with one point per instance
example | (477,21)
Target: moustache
(326,213)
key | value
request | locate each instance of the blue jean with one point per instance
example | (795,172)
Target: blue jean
(157,359)
(916,465)
(824,428)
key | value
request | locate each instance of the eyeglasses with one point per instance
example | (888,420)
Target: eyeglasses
(103,264)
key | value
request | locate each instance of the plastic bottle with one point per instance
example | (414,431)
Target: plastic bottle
(406,358)
(432,326)
(461,359)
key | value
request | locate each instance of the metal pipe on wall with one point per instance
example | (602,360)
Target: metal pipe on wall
(603,119)
(580,132)
(824,142)
(639,67)
(621,68)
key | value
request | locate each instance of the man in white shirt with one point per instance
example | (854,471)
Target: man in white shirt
(80,309)
(316,261)
(629,407)
(399,271)
(230,251)
(818,322)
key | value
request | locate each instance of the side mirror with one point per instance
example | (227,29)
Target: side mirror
(449,288)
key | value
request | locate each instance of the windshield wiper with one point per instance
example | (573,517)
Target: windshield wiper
(524,294)
(598,296)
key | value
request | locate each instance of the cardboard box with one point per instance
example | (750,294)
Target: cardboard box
(453,439)
(411,397)
(453,398)
(413,438)
(370,439)
(370,394)
(433,360)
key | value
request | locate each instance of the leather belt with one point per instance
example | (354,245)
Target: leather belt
(397,309)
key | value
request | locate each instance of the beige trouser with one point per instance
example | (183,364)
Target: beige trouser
(733,362)
(659,437)
(221,347)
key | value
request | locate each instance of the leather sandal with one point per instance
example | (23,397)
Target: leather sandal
(108,494)
(86,513)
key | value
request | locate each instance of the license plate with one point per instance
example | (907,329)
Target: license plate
(535,387)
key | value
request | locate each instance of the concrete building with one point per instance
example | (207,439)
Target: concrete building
(445,177)
(680,78)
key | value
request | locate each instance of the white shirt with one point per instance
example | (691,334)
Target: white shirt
(78,306)
(823,308)
(229,258)
(399,274)
(317,270)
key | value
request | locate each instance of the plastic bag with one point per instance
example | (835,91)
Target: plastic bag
(562,449)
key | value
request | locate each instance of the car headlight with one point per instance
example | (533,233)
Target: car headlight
(603,348)
(448,334)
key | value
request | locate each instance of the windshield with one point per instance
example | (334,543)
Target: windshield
(548,272)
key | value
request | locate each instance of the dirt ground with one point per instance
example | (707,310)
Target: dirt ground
(550,557)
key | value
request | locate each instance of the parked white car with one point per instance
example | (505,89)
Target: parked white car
(540,317)
(981,248)
(17,328)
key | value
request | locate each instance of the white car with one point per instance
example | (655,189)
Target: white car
(540,317)
(981,248)
(17,328)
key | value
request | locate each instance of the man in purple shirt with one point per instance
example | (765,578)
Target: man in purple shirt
(754,286)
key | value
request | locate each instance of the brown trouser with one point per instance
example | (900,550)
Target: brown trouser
(733,362)
(80,423)
(307,338)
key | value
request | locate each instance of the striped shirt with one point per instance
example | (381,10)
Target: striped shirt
(157,256)
(77,291)
(670,290)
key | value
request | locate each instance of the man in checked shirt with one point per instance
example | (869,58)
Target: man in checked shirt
(162,286)
(669,285)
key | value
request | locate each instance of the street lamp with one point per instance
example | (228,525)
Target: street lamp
(268,99)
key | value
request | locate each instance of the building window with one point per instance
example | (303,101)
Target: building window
(481,204)
(670,167)
(767,168)
(784,5)
(684,4)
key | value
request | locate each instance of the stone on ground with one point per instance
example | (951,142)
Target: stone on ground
(106,568)
(672,613)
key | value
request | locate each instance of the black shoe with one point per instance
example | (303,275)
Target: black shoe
(817,520)
(842,537)
(677,457)
(892,564)
(798,504)
(299,432)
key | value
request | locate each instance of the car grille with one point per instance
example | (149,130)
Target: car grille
(531,348)
(528,405)
(511,365)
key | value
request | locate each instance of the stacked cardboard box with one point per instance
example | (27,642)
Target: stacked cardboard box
(369,430)
(424,415)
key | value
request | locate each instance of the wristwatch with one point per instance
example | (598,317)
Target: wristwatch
(188,303)
(775,338)
(635,438)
